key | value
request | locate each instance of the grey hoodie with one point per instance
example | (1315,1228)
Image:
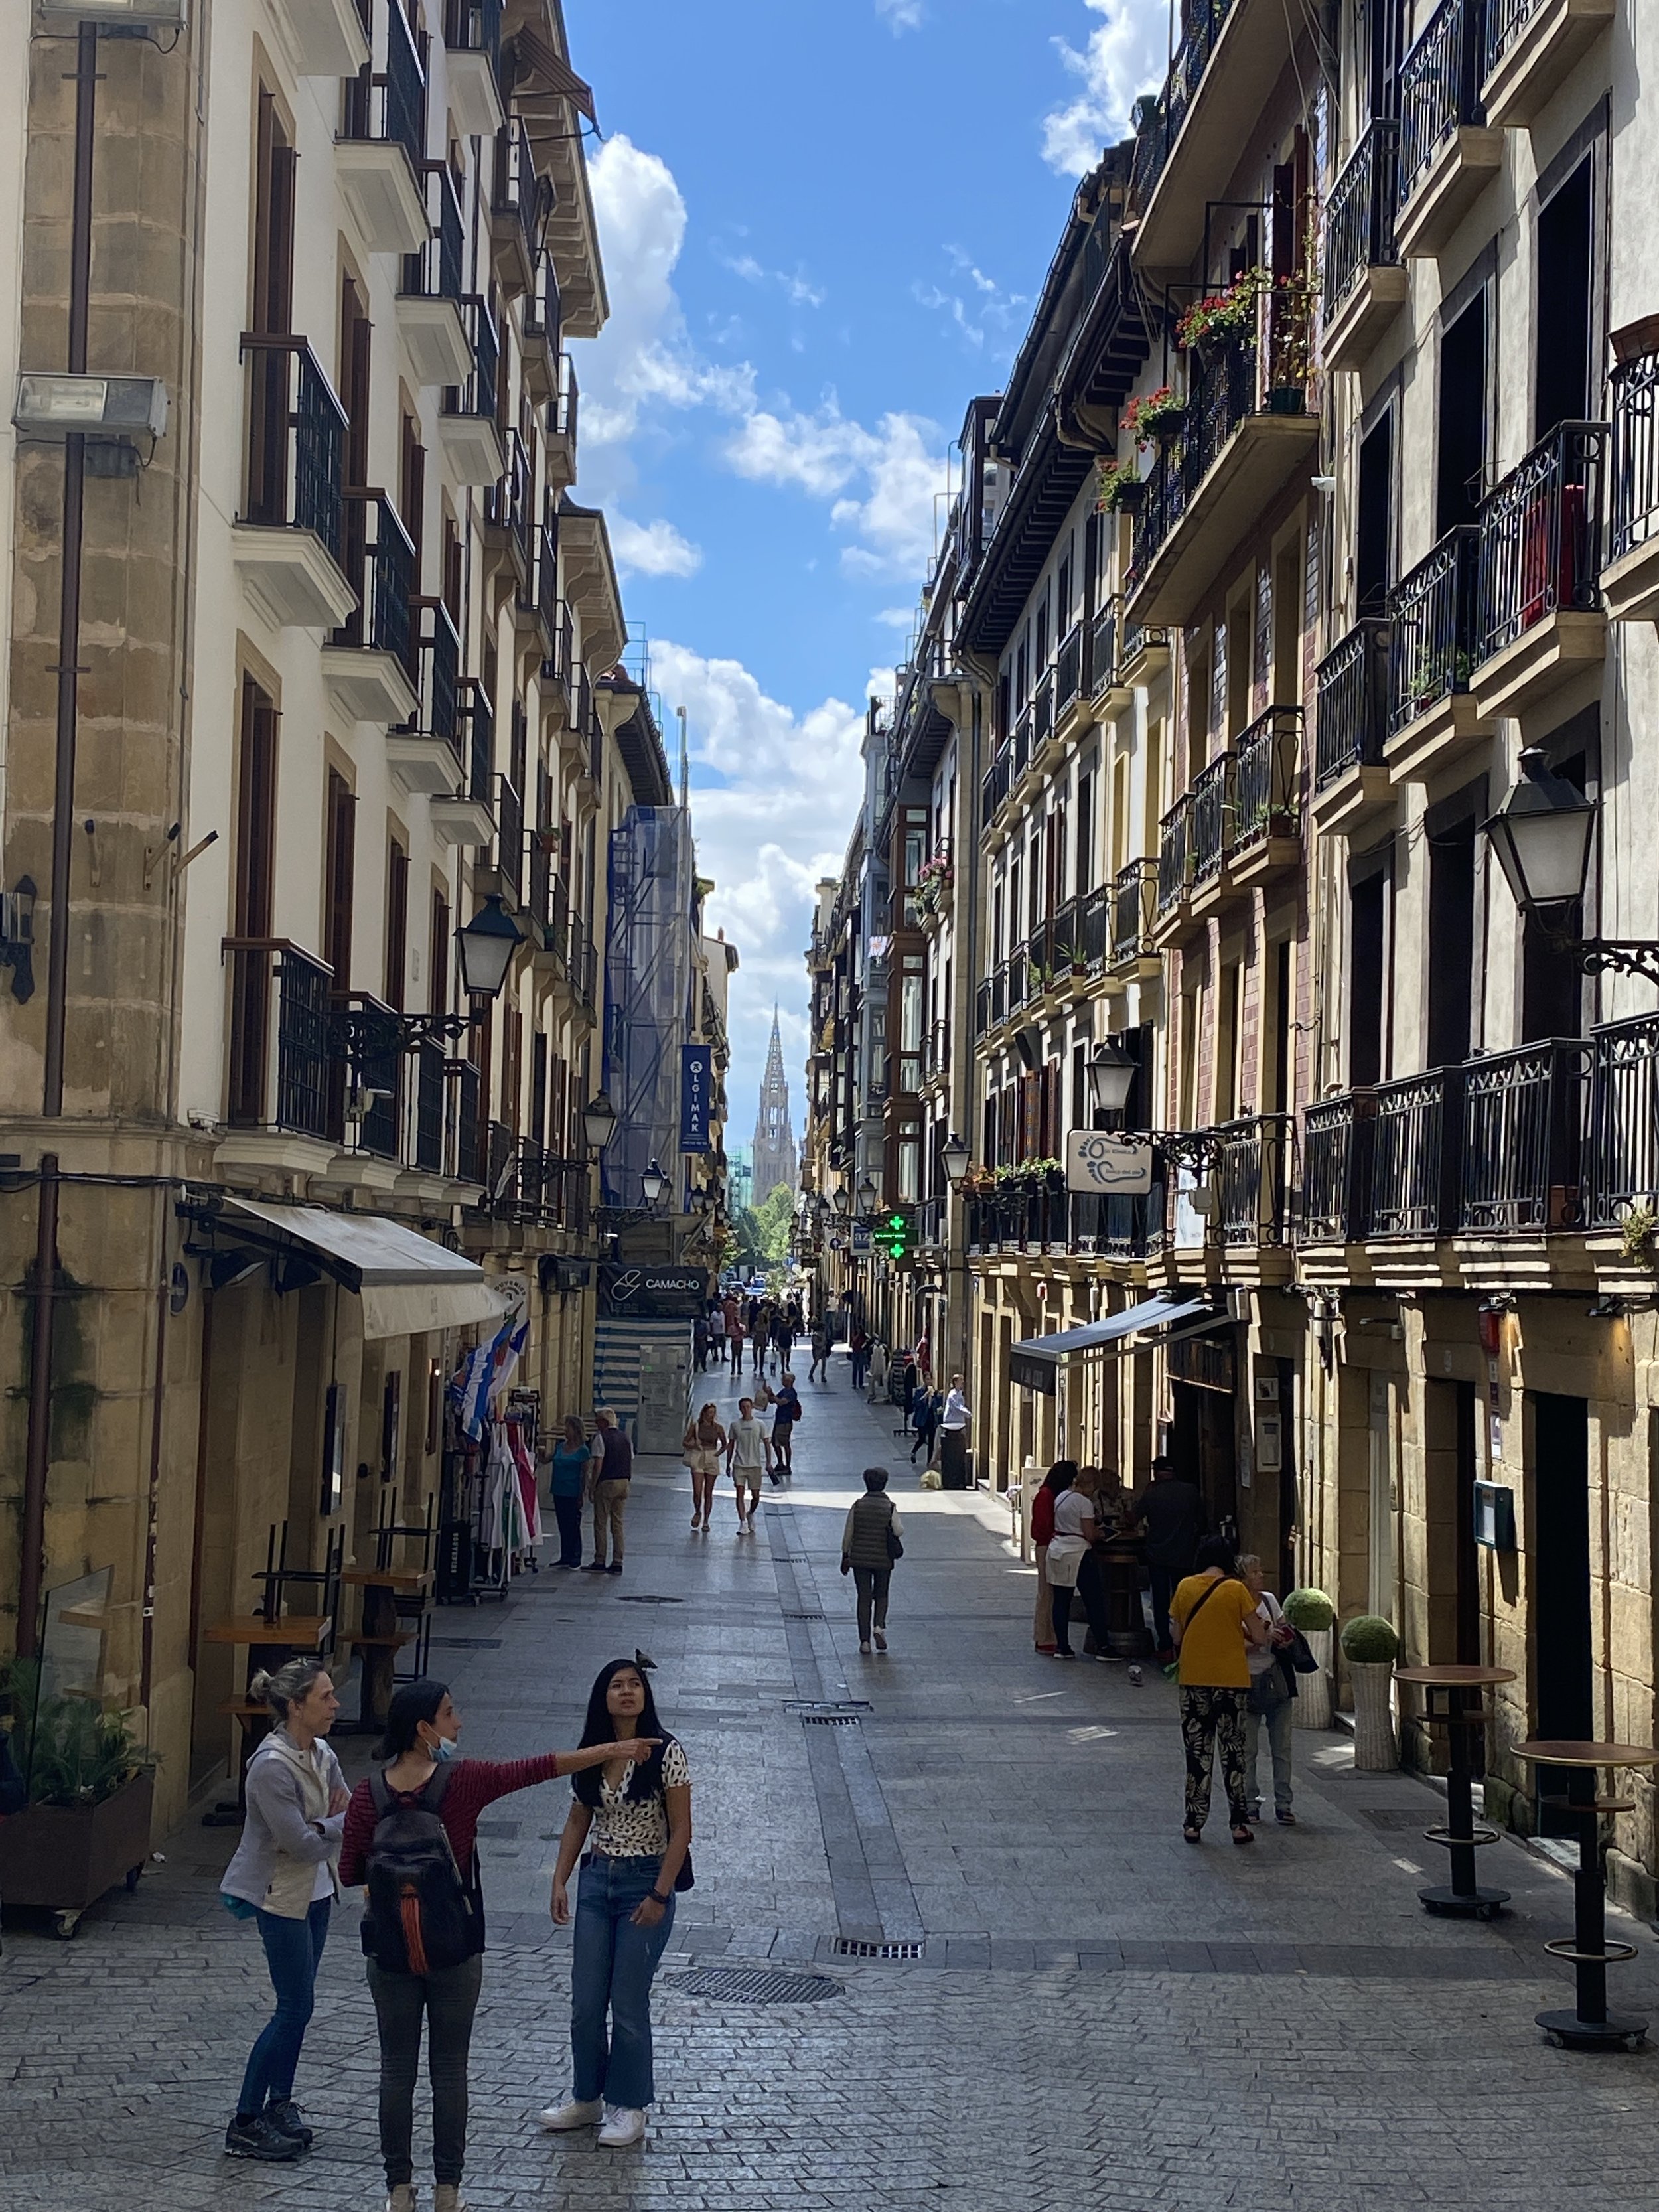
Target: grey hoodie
(289,1830)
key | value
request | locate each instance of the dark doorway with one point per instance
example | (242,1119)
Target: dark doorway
(1552,971)
(1460,481)
(1201,1444)
(1290,1507)
(1560,1565)
(1367,976)
(1451,942)
(1373,552)
(1562,321)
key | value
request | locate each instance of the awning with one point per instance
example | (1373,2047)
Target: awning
(1035,1361)
(409,1284)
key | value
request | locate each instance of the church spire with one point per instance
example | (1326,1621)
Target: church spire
(775,1139)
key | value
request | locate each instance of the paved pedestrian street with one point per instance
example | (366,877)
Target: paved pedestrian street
(1099,2016)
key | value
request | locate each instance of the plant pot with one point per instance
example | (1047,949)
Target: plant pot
(1313,1692)
(1129,497)
(1168,428)
(1374,1751)
(63,1857)
(1288,399)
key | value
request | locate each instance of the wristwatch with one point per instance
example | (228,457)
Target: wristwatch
(657,1897)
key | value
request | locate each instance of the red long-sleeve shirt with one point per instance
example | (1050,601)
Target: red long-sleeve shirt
(474,1784)
(1042,1517)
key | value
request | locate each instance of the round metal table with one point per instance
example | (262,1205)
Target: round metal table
(1592,2026)
(1463,1898)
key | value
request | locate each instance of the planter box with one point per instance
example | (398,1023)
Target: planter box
(63,1857)
(1313,1692)
(1374,1751)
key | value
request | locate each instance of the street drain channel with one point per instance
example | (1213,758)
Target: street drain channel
(634,1599)
(736,1986)
(805,1616)
(849,1947)
(845,1713)
(464,1643)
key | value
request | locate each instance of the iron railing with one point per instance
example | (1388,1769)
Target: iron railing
(508,503)
(518,194)
(389,106)
(480,718)
(295,441)
(1135,909)
(1268,778)
(434,271)
(429,1064)
(1102,671)
(509,836)
(1252,1172)
(438,643)
(1414,1154)
(481,393)
(1175,854)
(1043,710)
(1359,214)
(1431,614)
(379,565)
(566,403)
(549,605)
(1336,1170)
(1220,393)
(466,1123)
(1522,1124)
(1211,816)
(473,27)
(1094,926)
(1635,388)
(994,787)
(1541,537)
(1068,669)
(1161,124)
(1505,20)
(1622,1175)
(1350,690)
(1023,747)
(1439,89)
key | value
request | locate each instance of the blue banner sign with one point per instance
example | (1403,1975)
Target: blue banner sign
(697,1096)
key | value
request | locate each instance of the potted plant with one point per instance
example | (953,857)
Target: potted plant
(1635,1234)
(1222,320)
(1159,416)
(1291,349)
(1370,1647)
(1312,1612)
(1119,488)
(91,1787)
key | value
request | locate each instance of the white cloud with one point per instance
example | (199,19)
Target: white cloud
(882,482)
(1126,55)
(652,548)
(902,14)
(799,289)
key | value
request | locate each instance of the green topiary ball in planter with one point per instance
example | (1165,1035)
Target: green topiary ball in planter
(1308,1609)
(1369,1641)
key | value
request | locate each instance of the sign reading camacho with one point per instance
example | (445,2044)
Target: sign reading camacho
(667,1293)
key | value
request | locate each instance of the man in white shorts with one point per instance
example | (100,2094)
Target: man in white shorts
(748,1459)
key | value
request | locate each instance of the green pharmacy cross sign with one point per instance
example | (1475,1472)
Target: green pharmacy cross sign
(890,1234)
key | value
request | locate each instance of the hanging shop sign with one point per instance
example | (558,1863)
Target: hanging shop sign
(697,1096)
(1101,1161)
(666,1293)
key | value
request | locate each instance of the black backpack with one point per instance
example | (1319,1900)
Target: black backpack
(424,1914)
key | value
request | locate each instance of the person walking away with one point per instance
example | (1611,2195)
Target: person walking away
(412,1840)
(748,1456)
(704,1443)
(1071,1565)
(819,1370)
(953,1437)
(783,1337)
(611,1470)
(570,1460)
(927,1406)
(786,1412)
(282,1876)
(700,1342)
(871,1541)
(633,1816)
(1270,1704)
(876,1388)
(861,1351)
(1215,1623)
(1058,1479)
(1171,1510)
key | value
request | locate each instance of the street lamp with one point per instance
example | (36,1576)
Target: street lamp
(869,1197)
(955,1158)
(1112,1072)
(653,1183)
(841,1200)
(486,947)
(1542,834)
(598,1121)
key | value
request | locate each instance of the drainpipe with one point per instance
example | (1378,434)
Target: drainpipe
(37,1451)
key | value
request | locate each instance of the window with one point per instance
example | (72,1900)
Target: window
(1563,319)
(255,867)
(437,995)
(1085,833)
(1461,477)
(397,923)
(909,1170)
(339,874)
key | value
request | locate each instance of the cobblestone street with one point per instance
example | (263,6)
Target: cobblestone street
(1100,2015)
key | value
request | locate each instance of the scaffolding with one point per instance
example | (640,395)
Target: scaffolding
(648,982)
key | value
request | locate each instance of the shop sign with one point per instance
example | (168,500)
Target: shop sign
(696,1093)
(1101,1162)
(666,1293)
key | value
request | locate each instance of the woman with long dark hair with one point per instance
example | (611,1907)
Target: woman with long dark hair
(421,1728)
(633,1816)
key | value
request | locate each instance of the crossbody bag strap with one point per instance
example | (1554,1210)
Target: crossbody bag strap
(1205,1599)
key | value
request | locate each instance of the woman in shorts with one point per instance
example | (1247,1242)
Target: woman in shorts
(704,1445)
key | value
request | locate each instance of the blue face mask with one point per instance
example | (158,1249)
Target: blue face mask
(443,1750)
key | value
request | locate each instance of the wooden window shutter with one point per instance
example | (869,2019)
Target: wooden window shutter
(437,993)
(396,923)
(340,879)
(1031,1115)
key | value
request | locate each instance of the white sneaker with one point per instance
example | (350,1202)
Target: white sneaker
(624,2125)
(864,1651)
(578,2113)
(881,1639)
(402,2198)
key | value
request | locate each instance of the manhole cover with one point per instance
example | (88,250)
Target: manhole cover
(464,1643)
(739,1986)
(849,1947)
(632,1600)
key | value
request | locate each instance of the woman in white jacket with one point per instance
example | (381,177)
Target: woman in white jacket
(282,1877)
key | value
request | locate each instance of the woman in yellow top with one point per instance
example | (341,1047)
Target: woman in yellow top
(1215,1622)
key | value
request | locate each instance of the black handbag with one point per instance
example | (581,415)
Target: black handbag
(1301,1653)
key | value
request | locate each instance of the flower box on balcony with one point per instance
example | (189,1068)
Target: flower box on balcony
(1530,47)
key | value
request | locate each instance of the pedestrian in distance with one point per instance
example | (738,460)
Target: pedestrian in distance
(610,1469)
(411,1842)
(819,1370)
(1071,1565)
(1215,1623)
(925,1410)
(859,1346)
(734,1318)
(630,1825)
(1171,1509)
(872,1543)
(748,1457)
(1058,1479)
(954,1417)
(786,1412)
(703,1444)
(282,1876)
(569,1479)
(876,1390)
(700,1342)
(1271,1704)
(783,1337)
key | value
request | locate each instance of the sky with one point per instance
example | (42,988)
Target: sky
(824,223)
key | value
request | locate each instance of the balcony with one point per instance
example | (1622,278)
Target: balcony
(465,817)
(1522,1128)
(379,157)
(369,663)
(430,319)
(507,857)
(1209,822)
(1134,893)
(466,1124)
(542,602)
(1447,155)
(1351,690)
(520,203)
(539,322)
(1415,1180)
(287,542)
(558,676)
(1232,55)
(1243,440)
(1432,719)
(472,42)
(1175,866)
(1538,613)
(323,38)
(423,755)
(1266,822)
(1336,1170)
(1068,672)
(1143,652)
(1630,582)
(1366,280)
(430,1084)
(469,428)
(1622,1175)
(1531,45)
(1254,1171)
(562,415)
(1042,714)
(1106,686)
(280,1053)
(994,787)
(507,514)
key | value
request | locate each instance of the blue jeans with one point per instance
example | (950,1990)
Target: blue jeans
(612,1968)
(293,1950)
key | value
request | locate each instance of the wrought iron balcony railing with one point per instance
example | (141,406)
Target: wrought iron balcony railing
(1623,1176)
(1351,690)
(378,560)
(1440,84)
(434,271)
(1211,815)
(1254,1173)
(1635,501)
(1431,615)
(1414,1154)
(1359,216)
(1336,1170)
(388,106)
(1135,909)
(1541,537)
(1068,669)
(1523,1127)
(295,441)
(1174,855)
(1268,778)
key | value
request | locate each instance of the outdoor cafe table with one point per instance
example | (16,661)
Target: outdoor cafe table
(267,1643)
(1464,1898)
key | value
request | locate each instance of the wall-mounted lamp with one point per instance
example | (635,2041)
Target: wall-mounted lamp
(17,937)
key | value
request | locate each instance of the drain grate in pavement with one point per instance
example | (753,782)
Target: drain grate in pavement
(739,1986)
(845,1712)
(805,1616)
(633,1598)
(850,1947)
(464,1643)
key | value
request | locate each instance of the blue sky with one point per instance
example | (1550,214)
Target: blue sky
(824,222)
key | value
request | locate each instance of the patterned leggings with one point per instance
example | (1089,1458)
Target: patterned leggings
(1212,1720)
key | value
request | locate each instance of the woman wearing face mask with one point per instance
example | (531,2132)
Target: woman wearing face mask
(421,1731)
(634,1818)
